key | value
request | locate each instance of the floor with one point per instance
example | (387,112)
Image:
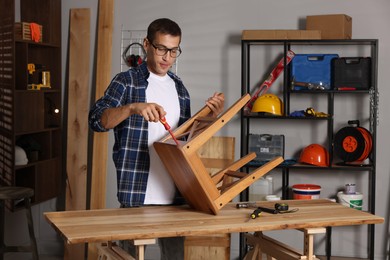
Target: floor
(340,258)
(27,256)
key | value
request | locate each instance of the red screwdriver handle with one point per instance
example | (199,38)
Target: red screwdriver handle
(165,123)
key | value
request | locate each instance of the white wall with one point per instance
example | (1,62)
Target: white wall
(212,55)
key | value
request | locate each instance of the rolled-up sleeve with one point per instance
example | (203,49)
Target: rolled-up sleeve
(113,97)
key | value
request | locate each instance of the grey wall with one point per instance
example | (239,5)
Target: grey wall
(211,62)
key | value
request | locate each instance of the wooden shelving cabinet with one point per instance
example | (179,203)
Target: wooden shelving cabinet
(319,130)
(27,117)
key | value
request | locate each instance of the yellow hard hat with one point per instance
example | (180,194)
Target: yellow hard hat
(268,103)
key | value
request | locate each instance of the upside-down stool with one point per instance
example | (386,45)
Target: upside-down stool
(201,191)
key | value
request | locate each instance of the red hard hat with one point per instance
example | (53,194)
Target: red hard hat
(315,154)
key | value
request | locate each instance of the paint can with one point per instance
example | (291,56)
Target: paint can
(350,188)
(306,191)
(354,201)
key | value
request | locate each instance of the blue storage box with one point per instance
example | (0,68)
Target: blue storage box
(312,68)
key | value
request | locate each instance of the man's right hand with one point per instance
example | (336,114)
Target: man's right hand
(152,112)
(112,117)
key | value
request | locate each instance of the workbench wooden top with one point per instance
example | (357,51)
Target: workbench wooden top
(167,221)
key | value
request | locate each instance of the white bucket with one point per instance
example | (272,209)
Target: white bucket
(354,201)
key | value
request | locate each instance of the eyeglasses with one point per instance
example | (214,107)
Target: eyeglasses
(162,50)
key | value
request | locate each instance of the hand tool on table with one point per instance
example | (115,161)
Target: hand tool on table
(278,208)
(168,128)
(255,214)
(246,205)
(268,210)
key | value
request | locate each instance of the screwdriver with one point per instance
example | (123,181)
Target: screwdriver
(272,211)
(256,213)
(168,128)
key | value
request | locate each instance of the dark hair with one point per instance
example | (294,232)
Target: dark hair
(164,26)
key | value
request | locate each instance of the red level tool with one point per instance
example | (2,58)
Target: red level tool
(270,80)
(168,128)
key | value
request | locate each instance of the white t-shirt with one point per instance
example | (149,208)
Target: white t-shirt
(160,188)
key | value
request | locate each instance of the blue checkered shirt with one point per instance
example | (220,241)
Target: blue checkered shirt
(130,151)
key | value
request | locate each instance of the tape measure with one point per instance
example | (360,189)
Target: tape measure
(353,143)
(281,206)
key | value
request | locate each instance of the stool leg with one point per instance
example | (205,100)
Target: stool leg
(2,230)
(33,242)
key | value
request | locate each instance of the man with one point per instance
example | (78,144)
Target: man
(132,105)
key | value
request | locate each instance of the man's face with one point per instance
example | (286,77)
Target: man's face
(156,63)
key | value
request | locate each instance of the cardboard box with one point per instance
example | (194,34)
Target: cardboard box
(332,26)
(281,34)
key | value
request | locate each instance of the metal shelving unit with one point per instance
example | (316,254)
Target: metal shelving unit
(329,95)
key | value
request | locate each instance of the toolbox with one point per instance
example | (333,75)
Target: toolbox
(312,68)
(351,73)
(266,146)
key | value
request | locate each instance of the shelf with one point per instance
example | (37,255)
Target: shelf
(31,119)
(37,44)
(314,92)
(365,167)
(286,117)
(326,100)
(312,42)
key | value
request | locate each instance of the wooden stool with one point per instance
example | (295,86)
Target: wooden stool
(202,191)
(17,193)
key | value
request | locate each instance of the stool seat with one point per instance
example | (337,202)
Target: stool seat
(17,193)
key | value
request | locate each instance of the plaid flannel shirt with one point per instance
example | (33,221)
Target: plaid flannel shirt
(130,151)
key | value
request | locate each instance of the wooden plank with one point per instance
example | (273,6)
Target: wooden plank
(77,131)
(162,221)
(78,90)
(102,79)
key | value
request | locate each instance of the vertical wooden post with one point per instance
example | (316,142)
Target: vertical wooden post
(102,79)
(77,131)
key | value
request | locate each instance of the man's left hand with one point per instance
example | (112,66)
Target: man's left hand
(216,104)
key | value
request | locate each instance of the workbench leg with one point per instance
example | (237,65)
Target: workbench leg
(140,254)
(141,246)
(308,245)
(328,242)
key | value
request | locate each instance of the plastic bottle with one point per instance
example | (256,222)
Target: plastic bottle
(270,185)
(259,189)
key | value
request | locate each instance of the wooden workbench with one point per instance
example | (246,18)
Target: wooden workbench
(103,225)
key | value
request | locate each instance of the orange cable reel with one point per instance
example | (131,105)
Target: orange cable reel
(353,143)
